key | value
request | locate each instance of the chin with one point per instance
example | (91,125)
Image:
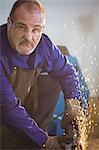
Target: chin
(24,51)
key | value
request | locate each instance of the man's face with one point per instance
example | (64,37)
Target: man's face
(25,30)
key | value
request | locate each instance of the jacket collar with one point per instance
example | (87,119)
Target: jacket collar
(38,58)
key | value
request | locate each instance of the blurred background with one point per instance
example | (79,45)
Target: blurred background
(74,24)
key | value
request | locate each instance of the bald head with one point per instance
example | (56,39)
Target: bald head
(30,5)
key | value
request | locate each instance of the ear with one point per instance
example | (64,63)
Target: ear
(9,23)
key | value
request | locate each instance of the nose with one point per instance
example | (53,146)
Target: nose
(28,36)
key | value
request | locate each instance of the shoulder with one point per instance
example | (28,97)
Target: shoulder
(3,31)
(48,45)
(46,41)
(2,40)
(46,38)
(5,58)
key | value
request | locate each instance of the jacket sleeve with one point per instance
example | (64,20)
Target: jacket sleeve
(13,114)
(61,70)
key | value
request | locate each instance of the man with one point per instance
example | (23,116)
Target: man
(28,96)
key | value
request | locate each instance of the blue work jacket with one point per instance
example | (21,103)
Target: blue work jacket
(13,114)
(85,93)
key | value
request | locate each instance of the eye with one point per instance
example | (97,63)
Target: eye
(37,30)
(20,27)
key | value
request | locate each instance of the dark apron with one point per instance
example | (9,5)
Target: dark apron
(37,93)
(24,83)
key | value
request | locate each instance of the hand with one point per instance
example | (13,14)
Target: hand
(74,122)
(57,143)
(52,143)
(74,114)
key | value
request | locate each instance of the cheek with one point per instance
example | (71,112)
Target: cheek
(16,37)
(37,39)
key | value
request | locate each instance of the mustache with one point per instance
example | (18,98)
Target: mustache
(27,42)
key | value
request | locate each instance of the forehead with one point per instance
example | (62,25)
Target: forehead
(29,14)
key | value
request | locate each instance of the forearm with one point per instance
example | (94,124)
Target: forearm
(16,117)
